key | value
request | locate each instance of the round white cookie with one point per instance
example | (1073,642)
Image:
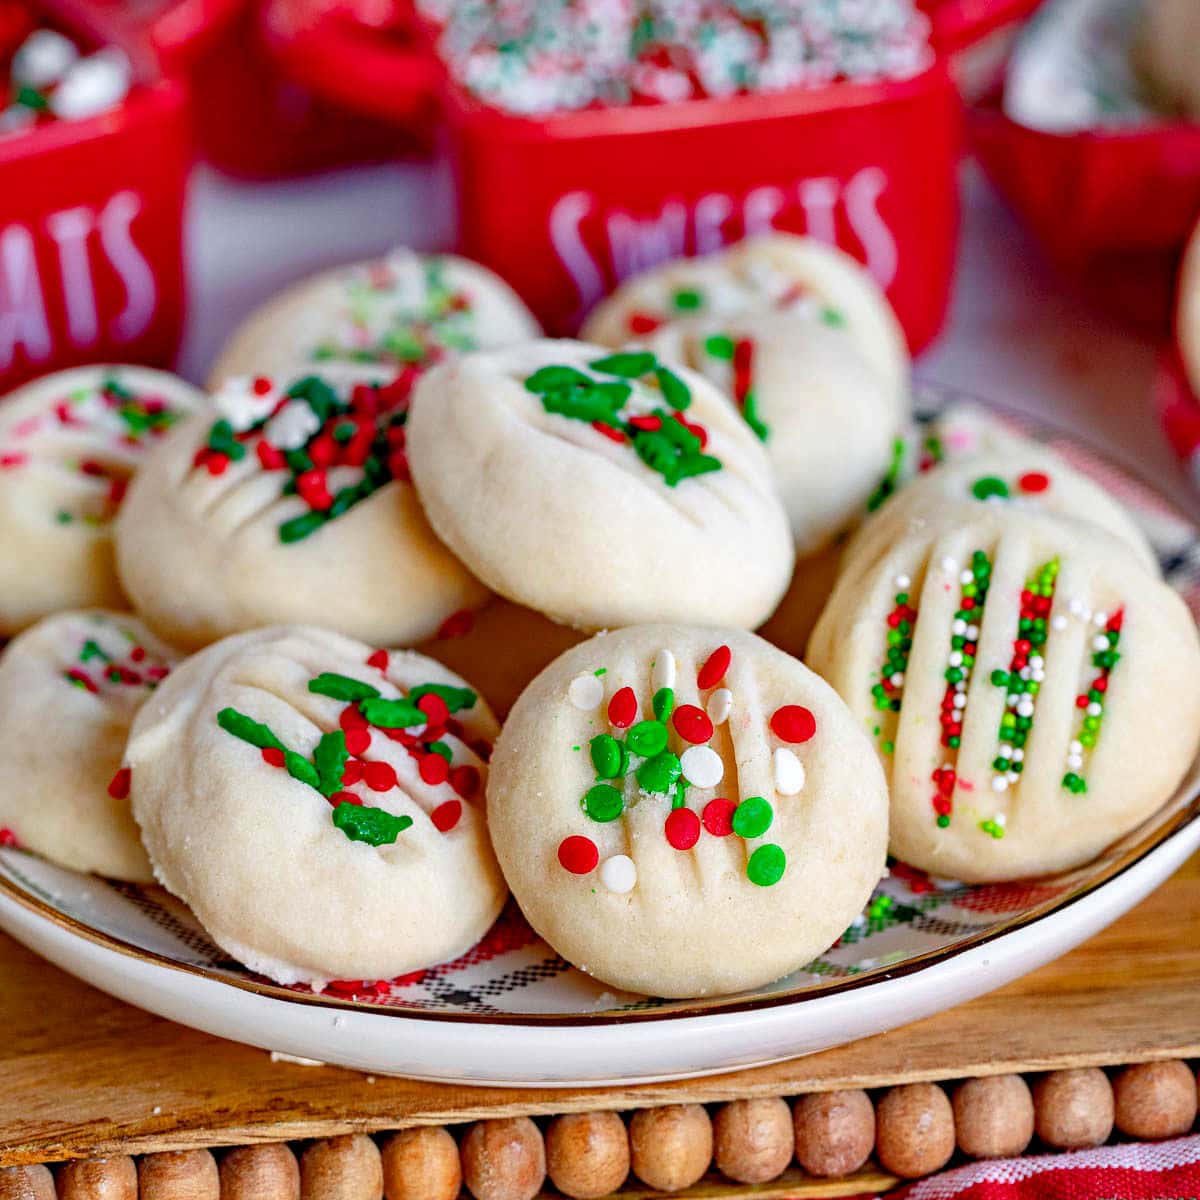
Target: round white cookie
(69,443)
(400,310)
(686,811)
(288,502)
(601,489)
(1030,687)
(69,688)
(319,806)
(770,273)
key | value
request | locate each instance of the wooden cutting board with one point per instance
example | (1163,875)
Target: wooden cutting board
(85,1074)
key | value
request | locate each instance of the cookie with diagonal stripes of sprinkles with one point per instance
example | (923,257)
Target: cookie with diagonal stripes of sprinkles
(70,687)
(1033,691)
(69,444)
(600,488)
(685,810)
(288,500)
(319,804)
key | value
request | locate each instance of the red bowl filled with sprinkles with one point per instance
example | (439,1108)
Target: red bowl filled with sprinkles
(93,162)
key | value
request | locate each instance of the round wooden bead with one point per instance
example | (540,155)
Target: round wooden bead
(1155,1100)
(753,1139)
(993,1116)
(421,1164)
(670,1147)
(914,1133)
(98,1179)
(341,1168)
(504,1159)
(835,1132)
(266,1172)
(1073,1109)
(33,1182)
(587,1154)
(179,1175)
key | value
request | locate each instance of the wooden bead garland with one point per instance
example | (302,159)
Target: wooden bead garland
(753,1139)
(587,1154)
(421,1164)
(1073,1109)
(26,1183)
(1155,1100)
(179,1175)
(993,1116)
(914,1130)
(504,1160)
(835,1132)
(98,1179)
(671,1147)
(267,1172)
(341,1168)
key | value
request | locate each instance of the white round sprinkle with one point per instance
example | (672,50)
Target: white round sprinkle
(1006,751)
(1094,709)
(1036,661)
(956,658)
(719,706)
(1013,777)
(702,766)
(999,783)
(1001,819)
(972,633)
(1059,622)
(1018,755)
(1025,707)
(1075,606)
(1076,747)
(43,58)
(93,85)
(959,627)
(967,577)
(1074,761)
(664,670)
(903,582)
(1100,642)
(618,874)
(1100,618)
(960,700)
(949,566)
(789,772)
(586,692)
(898,679)
(238,402)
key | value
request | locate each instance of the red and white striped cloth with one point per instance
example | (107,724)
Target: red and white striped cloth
(1135,1171)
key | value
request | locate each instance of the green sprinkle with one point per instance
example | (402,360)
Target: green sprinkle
(988,486)
(720,345)
(750,415)
(660,773)
(92,650)
(375,826)
(298,767)
(1000,678)
(298,528)
(609,757)
(29,97)
(603,803)
(441,749)
(600,671)
(675,392)
(392,714)
(455,698)
(553,378)
(330,760)
(752,818)
(341,687)
(627,364)
(321,398)
(647,738)
(664,703)
(833,318)
(688,299)
(249,730)
(767,865)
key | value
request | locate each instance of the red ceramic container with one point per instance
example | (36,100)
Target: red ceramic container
(91,218)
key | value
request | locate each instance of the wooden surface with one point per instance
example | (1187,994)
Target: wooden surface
(85,1074)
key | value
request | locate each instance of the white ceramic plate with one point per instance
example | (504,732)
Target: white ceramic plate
(511,1012)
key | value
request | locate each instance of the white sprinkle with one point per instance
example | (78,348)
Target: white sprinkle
(859,921)
(903,582)
(999,783)
(1074,761)
(1076,747)
(44,58)
(1006,751)
(1025,673)
(1025,707)
(1100,642)
(959,627)
(238,402)
(1013,776)
(1100,618)
(956,658)
(586,692)
(972,633)
(1075,606)
(949,565)
(1011,699)
(618,874)
(292,426)
(1094,709)
(719,706)
(1001,819)
(1018,755)
(789,772)
(1058,622)
(967,577)
(1036,661)
(664,670)
(702,766)
(93,85)
(897,679)
(960,700)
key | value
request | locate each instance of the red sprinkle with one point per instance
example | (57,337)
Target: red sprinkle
(434,769)
(118,789)
(697,431)
(613,435)
(345,798)
(216,463)
(446,816)
(312,488)
(643,322)
(692,724)
(714,669)
(323,450)
(13,460)
(1034,481)
(465,780)
(379,660)
(623,708)
(648,422)
(8,838)
(77,676)
(262,385)
(351,718)
(718,816)
(352,771)
(272,756)
(578,855)
(379,776)
(358,739)
(682,828)
(457,624)
(435,709)
(793,723)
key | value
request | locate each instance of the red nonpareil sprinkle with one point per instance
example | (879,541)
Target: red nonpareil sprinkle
(89,466)
(457,624)
(643,322)
(1081,701)
(379,776)
(351,718)
(1116,621)
(272,756)
(692,724)
(313,489)
(138,653)
(397,437)
(1034,481)
(8,838)
(270,457)
(216,463)
(743,357)
(649,422)
(352,771)
(446,816)
(262,385)
(465,781)
(697,431)
(434,769)
(116,491)
(435,709)
(718,816)
(714,668)
(623,709)
(118,788)
(75,675)
(323,450)
(613,435)
(682,828)
(13,460)
(157,673)
(379,660)
(344,798)
(398,466)
(64,414)
(358,740)
(793,723)
(578,855)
